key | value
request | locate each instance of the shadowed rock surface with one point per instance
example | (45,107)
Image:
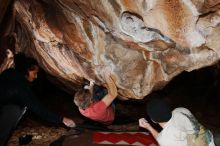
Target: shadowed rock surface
(145,42)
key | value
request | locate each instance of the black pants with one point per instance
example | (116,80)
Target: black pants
(9,117)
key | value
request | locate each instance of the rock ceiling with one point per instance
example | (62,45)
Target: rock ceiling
(145,42)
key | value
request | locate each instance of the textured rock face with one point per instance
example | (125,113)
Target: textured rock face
(145,42)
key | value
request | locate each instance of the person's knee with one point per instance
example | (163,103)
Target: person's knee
(9,117)
(14,111)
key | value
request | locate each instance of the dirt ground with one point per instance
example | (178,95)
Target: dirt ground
(196,91)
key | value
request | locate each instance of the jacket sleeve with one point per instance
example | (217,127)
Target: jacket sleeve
(27,98)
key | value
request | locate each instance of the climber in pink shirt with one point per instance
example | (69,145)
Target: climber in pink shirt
(98,110)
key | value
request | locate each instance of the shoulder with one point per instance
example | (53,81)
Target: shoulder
(181,111)
(8,74)
(180,115)
(100,104)
(8,71)
(184,120)
(96,106)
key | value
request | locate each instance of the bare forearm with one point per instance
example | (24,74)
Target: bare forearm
(144,124)
(112,89)
(153,132)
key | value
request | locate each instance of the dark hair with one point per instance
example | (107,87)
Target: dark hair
(24,64)
(159,110)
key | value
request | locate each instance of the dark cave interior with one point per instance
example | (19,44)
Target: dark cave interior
(197,90)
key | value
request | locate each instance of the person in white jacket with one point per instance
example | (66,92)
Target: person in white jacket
(179,127)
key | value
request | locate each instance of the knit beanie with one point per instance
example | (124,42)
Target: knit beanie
(159,110)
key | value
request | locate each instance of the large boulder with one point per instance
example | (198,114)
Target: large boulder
(145,42)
